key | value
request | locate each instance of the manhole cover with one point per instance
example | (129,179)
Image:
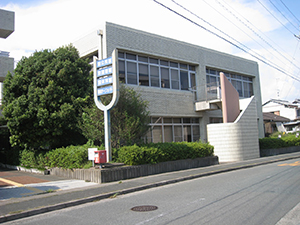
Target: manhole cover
(144,208)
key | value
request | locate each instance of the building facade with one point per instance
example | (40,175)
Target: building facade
(175,78)
(7,26)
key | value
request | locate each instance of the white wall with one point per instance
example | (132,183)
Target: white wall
(236,141)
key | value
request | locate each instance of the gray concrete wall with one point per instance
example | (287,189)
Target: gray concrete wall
(127,172)
(6,64)
(278,151)
(7,23)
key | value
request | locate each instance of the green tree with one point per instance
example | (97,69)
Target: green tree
(43,101)
(129,120)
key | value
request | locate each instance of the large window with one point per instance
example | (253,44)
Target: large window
(154,72)
(167,129)
(243,84)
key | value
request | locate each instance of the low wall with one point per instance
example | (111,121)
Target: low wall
(126,172)
(278,151)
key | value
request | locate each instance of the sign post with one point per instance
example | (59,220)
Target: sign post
(106,82)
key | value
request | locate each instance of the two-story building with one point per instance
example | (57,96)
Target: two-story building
(180,81)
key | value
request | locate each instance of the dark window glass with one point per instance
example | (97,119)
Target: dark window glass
(183,66)
(154,76)
(196,133)
(131,73)
(143,75)
(153,61)
(143,59)
(186,120)
(212,71)
(122,71)
(174,64)
(192,68)
(121,55)
(184,80)
(193,80)
(165,79)
(167,120)
(175,79)
(130,56)
(164,63)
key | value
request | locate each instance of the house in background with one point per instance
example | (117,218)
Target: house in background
(282,109)
(274,123)
(290,110)
(181,82)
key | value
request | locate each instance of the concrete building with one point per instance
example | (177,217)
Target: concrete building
(7,26)
(180,81)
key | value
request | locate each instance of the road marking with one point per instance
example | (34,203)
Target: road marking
(11,182)
(297,163)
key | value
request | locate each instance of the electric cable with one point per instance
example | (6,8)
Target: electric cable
(275,17)
(290,12)
(237,18)
(224,39)
(283,14)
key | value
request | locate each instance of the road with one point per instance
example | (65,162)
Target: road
(257,195)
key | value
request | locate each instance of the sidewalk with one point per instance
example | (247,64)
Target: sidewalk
(13,209)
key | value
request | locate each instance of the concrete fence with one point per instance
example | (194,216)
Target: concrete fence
(278,151)
(126,172)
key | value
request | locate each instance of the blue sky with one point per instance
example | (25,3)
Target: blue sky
(265,28)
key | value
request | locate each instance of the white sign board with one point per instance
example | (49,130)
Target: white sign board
(92,153)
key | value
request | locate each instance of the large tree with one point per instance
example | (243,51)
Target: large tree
(129,120)
(43,100)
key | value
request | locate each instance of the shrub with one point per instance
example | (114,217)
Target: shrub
(286,140)
(161,152)
(70,157)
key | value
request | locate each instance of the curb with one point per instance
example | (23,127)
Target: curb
(76,202)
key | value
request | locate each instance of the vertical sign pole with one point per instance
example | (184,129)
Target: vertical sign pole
(107,135)
(108,78)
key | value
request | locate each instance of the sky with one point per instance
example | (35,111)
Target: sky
(260,30)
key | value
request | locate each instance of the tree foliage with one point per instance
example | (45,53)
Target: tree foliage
(129,120)
(44,98)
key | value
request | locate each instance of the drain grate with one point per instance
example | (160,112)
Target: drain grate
(144,208)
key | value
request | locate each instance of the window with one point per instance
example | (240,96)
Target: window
(165,79)
(243,84)
(175,79)
(167,129)
(184,80)
(143,75)
(122,71)
(131,73)
(154,72)
(154,76)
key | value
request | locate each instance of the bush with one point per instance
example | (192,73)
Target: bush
(286,140)
(70,157)
(160,152)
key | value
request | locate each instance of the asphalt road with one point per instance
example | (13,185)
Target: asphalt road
(258,195)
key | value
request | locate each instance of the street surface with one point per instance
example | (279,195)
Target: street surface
(258,195)
(17,184)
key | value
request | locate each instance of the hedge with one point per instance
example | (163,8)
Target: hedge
(160,152)
(286,140)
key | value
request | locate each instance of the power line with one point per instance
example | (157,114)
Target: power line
(283,14)
(275,17)
(290,11)
(224,39)
(237,18)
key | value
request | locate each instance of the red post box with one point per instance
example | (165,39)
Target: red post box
(100,156)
